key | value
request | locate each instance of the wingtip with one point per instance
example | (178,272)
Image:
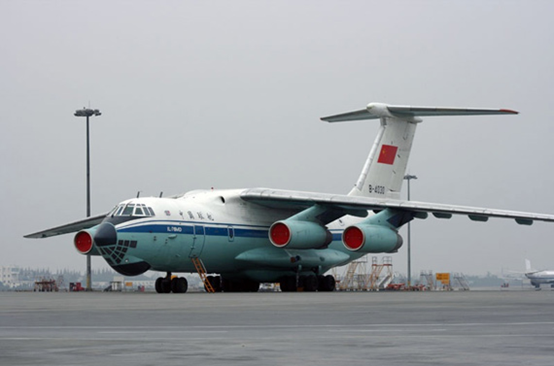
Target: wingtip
(510,111)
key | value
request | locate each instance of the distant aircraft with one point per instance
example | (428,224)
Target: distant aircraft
(538,277)
(257,235)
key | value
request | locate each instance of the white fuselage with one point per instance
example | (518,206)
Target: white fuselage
(229,235)
(540,277)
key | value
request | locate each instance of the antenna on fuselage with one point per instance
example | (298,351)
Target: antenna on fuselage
(138,194)
(161,194)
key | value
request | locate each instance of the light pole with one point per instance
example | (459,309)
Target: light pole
(409,177)
(87,112)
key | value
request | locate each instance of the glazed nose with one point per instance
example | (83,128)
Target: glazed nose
(106,234)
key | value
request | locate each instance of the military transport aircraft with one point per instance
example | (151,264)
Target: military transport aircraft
(538,277)
(251,236)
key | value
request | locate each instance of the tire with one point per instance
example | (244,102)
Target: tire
(179,285)
(283,285)
(158,285)
(165,285)
(225,285)
(251,286)
(321,283)
(329,283)
(310,283)
(288,284)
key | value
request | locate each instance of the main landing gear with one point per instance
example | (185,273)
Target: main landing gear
(220,284)
(307,283)
(177,285)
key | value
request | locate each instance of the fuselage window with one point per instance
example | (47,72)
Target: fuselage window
(151,211)
(138,212)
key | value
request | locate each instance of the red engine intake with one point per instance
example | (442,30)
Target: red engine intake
(371,239)
(298,234)
(279,234)
(83,242)
(353,238)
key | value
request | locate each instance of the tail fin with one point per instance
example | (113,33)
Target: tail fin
(528,268)
(384,169)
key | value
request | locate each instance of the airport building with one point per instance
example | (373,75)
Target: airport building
(9,276)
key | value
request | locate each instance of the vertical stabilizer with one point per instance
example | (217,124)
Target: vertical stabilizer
(528,268)
(384,169)
(386,164)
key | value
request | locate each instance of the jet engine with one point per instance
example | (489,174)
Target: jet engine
(371,239)
(298,234)
(84,242)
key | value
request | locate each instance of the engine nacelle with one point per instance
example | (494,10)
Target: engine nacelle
(298,234)
(84,243)
(371,239)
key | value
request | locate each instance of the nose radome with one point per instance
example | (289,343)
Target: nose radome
(106,234)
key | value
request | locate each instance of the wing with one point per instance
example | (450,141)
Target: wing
(353,204)
(68,228)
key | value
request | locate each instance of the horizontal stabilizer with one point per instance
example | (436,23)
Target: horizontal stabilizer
(380,110)
(350,116)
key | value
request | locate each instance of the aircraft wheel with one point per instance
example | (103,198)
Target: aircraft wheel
(158,285)
(310,283)
(179,285)
(288,284)
(251,286)
(326,283)
(163,285)
(166,285)
(239,286)
(330,283)
(321,283)
(231,285)
(225,285)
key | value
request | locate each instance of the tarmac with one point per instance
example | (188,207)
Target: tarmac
(338,328)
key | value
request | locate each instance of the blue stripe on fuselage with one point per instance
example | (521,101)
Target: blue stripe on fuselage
(179,228)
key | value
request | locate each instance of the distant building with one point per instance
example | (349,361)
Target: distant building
(9,276)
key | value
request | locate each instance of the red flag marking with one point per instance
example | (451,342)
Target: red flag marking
(388,154)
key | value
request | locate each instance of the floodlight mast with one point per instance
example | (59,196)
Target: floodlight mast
(409,177)
(87,112)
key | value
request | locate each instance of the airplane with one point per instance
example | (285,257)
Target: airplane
(538,277)
(260,235)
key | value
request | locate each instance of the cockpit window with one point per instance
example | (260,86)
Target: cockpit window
(112,212)
(120,208)
(128,211)
(132,209)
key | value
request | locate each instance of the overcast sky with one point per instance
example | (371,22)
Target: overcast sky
(229,95)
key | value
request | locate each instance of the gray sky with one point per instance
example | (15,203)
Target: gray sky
(229,94)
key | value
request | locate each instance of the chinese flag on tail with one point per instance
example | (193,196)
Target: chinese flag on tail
(387,154)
